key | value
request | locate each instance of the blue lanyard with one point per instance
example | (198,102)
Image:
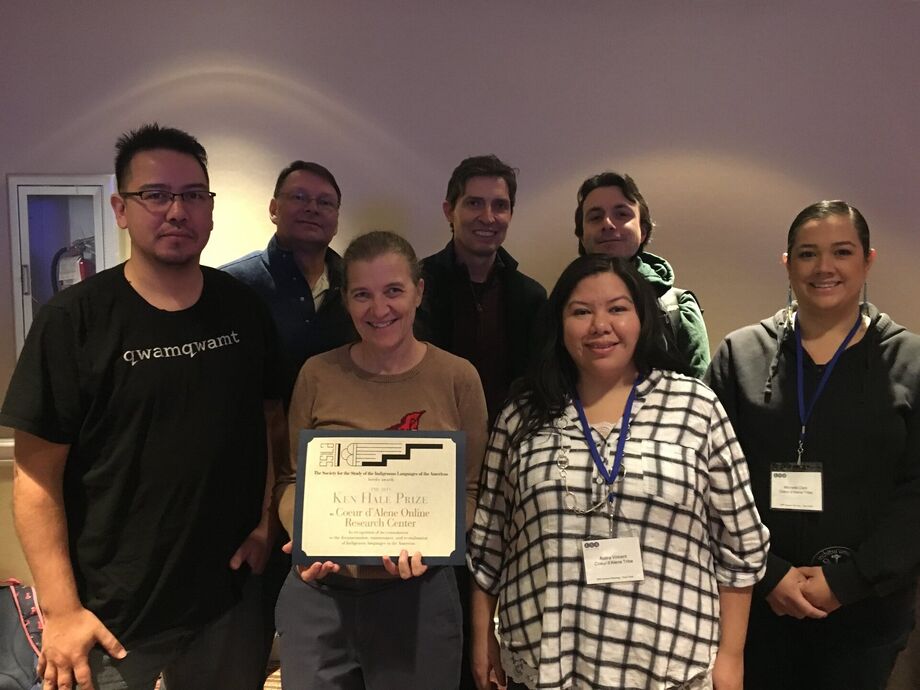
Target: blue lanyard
(805,412)
(609,477)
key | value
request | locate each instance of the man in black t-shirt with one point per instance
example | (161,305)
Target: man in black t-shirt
(140,446)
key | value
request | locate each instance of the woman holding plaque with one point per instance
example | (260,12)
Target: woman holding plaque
(397,624)
(615,526)
(825,399)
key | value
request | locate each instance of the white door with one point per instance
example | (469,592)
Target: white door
(62,230)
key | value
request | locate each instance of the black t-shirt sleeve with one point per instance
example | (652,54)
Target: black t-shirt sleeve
(44,398)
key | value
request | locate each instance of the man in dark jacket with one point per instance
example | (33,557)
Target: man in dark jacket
(477,304)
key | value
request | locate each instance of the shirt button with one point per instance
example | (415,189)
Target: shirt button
(301,299)
(306,320)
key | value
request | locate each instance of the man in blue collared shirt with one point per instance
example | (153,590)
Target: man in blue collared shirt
(299,277)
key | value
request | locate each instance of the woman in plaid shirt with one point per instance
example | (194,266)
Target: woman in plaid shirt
(617,560)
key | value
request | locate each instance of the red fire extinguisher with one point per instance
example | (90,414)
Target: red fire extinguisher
(72,264)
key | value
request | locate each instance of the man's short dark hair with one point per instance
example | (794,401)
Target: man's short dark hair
(149,137)
(630,190)
(307,166)
(480,166)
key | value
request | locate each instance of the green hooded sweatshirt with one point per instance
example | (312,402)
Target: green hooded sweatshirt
(691,336)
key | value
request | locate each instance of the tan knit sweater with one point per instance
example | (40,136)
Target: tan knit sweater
(442,392)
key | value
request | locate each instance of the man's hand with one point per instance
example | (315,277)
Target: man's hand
(41,522)
(256,548)
(817,591)
(66,641)
(787,598)
(316,571)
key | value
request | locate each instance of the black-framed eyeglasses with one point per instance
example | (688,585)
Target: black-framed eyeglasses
(160,198)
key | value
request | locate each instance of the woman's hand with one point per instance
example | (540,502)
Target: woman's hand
(316,571)
(405,567)
(485,653)
(485,662)
(816,590)
(728,671)
(788,599)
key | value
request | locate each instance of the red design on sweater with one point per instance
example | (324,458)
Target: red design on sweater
(409,422)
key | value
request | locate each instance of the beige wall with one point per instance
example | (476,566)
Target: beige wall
(12,562)
(732,116)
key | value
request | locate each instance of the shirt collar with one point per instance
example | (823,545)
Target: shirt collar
(321,288)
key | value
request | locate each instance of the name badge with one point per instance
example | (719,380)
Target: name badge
(612,560)
(796,487)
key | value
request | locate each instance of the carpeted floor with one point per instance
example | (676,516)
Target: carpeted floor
(273,682)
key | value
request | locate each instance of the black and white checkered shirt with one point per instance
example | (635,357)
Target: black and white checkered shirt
(684,492)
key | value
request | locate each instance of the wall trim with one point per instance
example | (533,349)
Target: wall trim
(6,451)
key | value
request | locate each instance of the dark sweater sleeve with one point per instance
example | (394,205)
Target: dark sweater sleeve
(433,318)
(776,570)
(889,557)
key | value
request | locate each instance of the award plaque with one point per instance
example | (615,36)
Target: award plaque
(362,495)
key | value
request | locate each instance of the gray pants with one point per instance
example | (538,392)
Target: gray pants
(346,634)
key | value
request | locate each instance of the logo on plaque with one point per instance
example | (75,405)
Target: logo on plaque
(370,454)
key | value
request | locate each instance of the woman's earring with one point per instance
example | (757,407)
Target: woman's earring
(865,298)
(789,304)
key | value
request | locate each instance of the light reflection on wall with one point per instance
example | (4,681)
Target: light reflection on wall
(254,119)
(243,184)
